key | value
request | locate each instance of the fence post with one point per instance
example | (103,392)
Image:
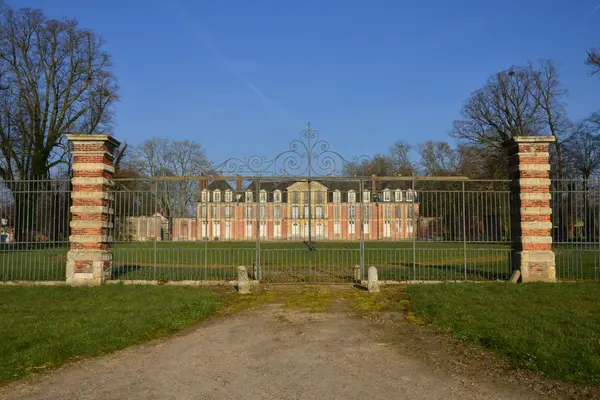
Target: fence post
(89,258)
(531,212)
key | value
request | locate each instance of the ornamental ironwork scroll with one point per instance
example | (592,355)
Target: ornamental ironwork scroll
(308,156)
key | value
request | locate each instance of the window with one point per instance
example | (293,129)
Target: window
(398,212)
(319,197)
(306,229)
(249,229)
(295,212)
(215,212)
(387,211)
(295,229)
(248,212)
(387,195)
(277,196)
(351,212)
(228,212)
(204,212)
(319,211)
(216,231)
(398,195)
(204,196)
(366,196)
(337,196)
(228,196)
(295,197)
(398,227)
(351,228)
(227,230)
(351,196)
(409,212)
(387,229)
(410,195)
(336,228)
(409,226)
(277,230)
(337,211)
(277,212)
(217,196)
(263,196)
(319,231)
(249,196)
(368,211)
(306,212)
(263,211)
(263,229)
(205,230)
(366,227)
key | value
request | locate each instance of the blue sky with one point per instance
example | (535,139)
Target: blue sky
(244,77)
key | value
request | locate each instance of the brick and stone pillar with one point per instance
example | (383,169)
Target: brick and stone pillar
(531,213)
(89,259)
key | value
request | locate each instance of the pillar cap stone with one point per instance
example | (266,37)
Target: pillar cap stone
(529,139)
(85,137)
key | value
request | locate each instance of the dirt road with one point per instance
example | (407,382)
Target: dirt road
(270,353)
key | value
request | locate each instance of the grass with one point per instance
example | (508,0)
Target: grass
(291,262)
(43,327)
(549,328)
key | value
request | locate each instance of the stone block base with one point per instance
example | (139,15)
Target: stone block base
(535,266)
(88,267)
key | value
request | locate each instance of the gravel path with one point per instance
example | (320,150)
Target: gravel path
(271,353)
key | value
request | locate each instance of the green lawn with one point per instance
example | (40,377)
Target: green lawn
(550,328)
(292,262)
(43,327)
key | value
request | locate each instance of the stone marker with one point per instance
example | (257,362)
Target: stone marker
(515,276)
(243,281)
(373,284)
(357,273)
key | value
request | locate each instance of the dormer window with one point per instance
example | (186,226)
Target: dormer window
(277,196)
(228,196)
(366,196)
(263,196)
(337,196)
(295,197)
(387,195)
(217,196)
(204,196)
(249,196)
(351,196)
(410,195)
(398,195)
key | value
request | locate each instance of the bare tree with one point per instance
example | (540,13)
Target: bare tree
(54,78)
(593,60)
(396,162)
(175,161)
(554,116)
(438,158)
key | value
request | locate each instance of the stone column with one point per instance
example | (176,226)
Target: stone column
(531,213)
(89,259)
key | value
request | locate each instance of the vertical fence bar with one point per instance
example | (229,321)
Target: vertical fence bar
(155,221)
(361,188)
(464,231)
(414,228)
(257,230)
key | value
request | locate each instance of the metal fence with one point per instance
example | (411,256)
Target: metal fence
(34,229)
(292,229)
(295,229)
(576,225)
